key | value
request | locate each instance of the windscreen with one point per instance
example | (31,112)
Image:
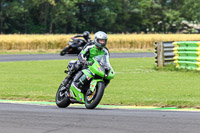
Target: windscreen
(103,60)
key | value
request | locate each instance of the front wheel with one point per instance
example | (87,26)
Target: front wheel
(62,101)
(93,100)
(66,50)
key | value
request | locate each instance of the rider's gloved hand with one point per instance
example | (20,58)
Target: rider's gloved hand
(87,63)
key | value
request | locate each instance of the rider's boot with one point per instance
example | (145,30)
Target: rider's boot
(74,68)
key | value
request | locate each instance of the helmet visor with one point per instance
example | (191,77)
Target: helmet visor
(102,41)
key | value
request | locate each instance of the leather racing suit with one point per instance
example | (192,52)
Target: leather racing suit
(85,57)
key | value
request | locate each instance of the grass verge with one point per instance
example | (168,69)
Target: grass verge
(137,82)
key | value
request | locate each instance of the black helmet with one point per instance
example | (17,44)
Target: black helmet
(86,33)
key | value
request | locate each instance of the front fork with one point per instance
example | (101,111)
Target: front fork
(94,83)
(79,96)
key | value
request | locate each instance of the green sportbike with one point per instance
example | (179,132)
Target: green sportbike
(87,86)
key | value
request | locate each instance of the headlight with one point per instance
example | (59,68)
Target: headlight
(107,68)
(107,71)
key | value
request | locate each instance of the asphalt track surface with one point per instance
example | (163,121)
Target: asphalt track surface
(19,118)
(30,57)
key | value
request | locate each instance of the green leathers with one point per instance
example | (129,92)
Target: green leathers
(91,51)
(88,85)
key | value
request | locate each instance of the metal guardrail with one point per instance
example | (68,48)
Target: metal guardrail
(184,54)
(164,53)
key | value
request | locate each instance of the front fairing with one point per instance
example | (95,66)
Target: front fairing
(74,43)
(102,67)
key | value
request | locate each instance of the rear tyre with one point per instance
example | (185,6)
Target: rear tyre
(62,101)
(93,100)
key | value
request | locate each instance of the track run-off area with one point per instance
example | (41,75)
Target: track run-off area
(46,117)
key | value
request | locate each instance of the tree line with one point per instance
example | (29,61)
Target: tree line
(112,16)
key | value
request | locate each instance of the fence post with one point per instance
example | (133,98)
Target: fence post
(160,54)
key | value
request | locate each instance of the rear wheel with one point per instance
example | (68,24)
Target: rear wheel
(93,100)
(62,101)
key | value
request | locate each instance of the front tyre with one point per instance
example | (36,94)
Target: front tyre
(62,101)
(93,100)
(66,50)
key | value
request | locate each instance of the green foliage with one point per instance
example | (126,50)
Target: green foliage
(114,16)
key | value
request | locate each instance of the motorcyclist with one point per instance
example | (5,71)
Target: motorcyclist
(92,49)
(85,35)
(76,44)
